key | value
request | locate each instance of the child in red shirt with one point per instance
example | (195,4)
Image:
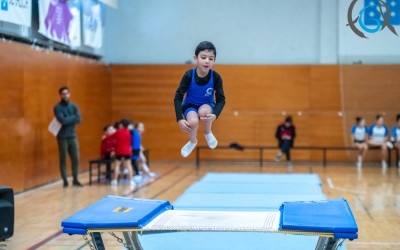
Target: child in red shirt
(123,151)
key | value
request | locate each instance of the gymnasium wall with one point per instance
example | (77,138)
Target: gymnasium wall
(259,95)
(29,89)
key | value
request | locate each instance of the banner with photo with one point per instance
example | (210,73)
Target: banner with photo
(60,20)
(18,12)
(92,23)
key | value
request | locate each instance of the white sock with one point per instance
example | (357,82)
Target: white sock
(384,164)
(188,148)
(211,140)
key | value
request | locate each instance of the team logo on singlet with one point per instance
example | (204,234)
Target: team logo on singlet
(209,92)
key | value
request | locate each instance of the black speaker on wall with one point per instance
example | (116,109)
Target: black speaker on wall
(6,212)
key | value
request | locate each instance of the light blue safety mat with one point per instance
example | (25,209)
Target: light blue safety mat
(254,188)
(261,178)
(250,202)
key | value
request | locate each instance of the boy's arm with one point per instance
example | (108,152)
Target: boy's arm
(219,95)
(179,94)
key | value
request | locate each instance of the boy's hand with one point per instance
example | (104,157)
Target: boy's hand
(210,117)
(184,126)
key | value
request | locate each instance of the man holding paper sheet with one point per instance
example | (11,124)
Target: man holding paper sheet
(68,115)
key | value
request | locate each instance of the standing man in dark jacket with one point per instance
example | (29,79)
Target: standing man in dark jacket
(285,134)
(68,115)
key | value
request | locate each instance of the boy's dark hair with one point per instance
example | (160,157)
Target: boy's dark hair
(289,119)
(378,116)
(358,119)
(205,45)
(397,117)
(62,89)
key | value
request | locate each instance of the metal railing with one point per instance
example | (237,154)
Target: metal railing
(261,149)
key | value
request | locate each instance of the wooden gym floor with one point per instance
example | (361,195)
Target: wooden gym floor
(374,197)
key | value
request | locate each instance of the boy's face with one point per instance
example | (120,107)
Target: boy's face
(204,61)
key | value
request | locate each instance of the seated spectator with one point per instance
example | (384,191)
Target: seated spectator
(123,151)
(285,134)
(379,138)
(359,137)
(396,136)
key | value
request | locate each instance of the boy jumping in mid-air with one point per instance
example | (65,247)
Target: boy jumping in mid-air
(204,98)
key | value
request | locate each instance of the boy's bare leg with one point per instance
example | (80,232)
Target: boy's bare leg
(207,118)
(193,120)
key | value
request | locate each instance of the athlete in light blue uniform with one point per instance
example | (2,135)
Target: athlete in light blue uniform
(359,134)
(379,137)
(396,137)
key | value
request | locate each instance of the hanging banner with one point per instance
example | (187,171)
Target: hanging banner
(111,3)
(59,20)
(18,12)
(92,23)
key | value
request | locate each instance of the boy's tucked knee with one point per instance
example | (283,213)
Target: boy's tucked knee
(193,123)
(204,112)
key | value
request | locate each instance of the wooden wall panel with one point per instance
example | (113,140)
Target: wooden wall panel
(28,91)
(259,94)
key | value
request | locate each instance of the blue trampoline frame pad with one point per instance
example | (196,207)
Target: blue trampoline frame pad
(115,213)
